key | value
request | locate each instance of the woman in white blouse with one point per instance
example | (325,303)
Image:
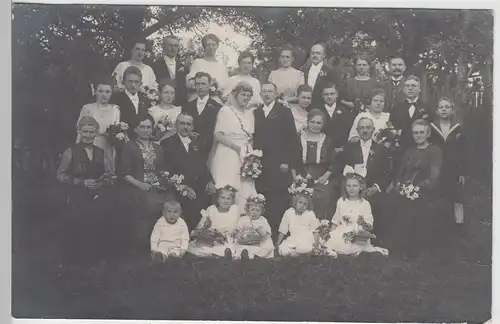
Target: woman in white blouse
(375,112)
(209,63)
(138,52)
(245,62)
(106,114)
(299,110)
(287,79)
(165,112)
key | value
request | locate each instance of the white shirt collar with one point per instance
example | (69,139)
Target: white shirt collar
(397,79)
(203,100)
(366,144)
(317,67)
(269,107)
(131,96)
(169,60)
(412,101)
(185,141)
(331,109)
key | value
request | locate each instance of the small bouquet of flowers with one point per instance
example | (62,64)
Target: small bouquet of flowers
(207,236)
(409,190)
(248,236)
(117,132)
(357,237)
(165,180)
(281,100)
(151,93)
(324,229)
(252,166)
(162,126)
(389,137)
(321,250)
(215,90)
(300,185)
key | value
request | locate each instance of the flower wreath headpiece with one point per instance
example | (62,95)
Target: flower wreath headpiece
(356,172)
(300,185)
(228,187)
(258,199)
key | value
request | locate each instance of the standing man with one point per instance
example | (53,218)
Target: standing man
(204,109)
(276,136)
(183,155)
(318,74)
(393,87)
(169,67)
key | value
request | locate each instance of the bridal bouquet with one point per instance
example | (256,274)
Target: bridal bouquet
(389,137)
(206,235)
(300,185)
(252,166)
(118,132)
(409,190)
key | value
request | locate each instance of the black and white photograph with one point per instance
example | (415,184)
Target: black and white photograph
(251,163)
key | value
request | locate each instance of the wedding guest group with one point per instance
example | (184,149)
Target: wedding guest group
(302,162)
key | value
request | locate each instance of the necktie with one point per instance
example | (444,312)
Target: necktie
(411,109)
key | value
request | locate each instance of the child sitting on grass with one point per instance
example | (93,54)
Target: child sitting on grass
(213,235)
(252,235)
(301,222)
(170,236)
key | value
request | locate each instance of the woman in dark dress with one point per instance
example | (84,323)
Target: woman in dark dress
(416,220)
(356,92)
(316,159)
(87,175)
(447,133)
(141,163)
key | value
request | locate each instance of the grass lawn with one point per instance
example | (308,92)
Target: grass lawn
(438,287)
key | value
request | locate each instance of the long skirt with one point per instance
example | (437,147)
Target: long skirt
(324,196)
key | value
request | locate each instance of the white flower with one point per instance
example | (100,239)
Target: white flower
(120,136)
(324,222)
(123,125)
(161,128)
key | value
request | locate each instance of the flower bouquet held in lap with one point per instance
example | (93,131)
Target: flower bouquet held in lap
(251,167)
(409,190)
(207,236)
(165,180)
(362,235)
(249,234)
(117,133)
(323,231)
(389,137)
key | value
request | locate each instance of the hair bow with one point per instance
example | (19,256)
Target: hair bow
(358,169)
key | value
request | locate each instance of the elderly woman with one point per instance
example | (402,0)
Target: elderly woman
(137,51)
(245,66)
(141,163)
(209,63)
(375,113)
(356,91)
(299,110)
(86,174)
(106,114)
(234,131)
(416,220)
(317,156)
(286,78)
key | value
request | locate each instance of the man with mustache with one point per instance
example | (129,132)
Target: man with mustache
(394,85)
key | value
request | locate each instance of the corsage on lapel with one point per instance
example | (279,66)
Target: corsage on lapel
(322,73)
(370,153)
(422,113)
(339,112)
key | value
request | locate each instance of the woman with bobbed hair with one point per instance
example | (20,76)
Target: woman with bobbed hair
(287,78)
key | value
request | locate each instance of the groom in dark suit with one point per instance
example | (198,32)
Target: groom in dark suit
(132,103)
(318,74)
(373,157)
(169,67)
(276,136)
(183,154)
(203,109)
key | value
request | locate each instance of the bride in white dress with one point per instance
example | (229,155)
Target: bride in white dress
(234,130)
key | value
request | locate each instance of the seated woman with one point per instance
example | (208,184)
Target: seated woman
(375,112)
(165,112)
(299,110)
(137,52)
(86,173)
(317,156)
(415,216)
(141,163)
(106,114)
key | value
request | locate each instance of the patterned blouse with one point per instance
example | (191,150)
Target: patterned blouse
(149,157)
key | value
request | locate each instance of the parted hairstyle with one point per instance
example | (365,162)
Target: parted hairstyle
(103,80)
(87,121)
(287,48)
(304,88)
(310,205)
(447,99)
(209,37)
(421,122)
(203,74)
(330,85)
(132,70)
(361,181)
(242,86)
(133,42)
(245,54)
(315,112)
(142,117)
(165,82)
(376,92)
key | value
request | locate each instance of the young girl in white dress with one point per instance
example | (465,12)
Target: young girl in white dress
(352,221)
(170,236)
(250,226)
(222,217)
(106,114)
(301,222)
(165,112)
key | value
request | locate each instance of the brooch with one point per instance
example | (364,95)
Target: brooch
(339,112)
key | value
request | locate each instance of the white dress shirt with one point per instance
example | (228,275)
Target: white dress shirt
(134,99)
(396,80)
(185,141)
(365,150)
(171,65)
(331,109)
(201,103)
(313,74)
(267,109)
(412,108)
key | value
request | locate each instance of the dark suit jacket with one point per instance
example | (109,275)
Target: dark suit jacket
(132,162)
(377,165)
(393,95)
(127,109)
(192,164)
(400,119)
(162,72)
(338,126)
(204,124)
(277,137)
(327,74)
